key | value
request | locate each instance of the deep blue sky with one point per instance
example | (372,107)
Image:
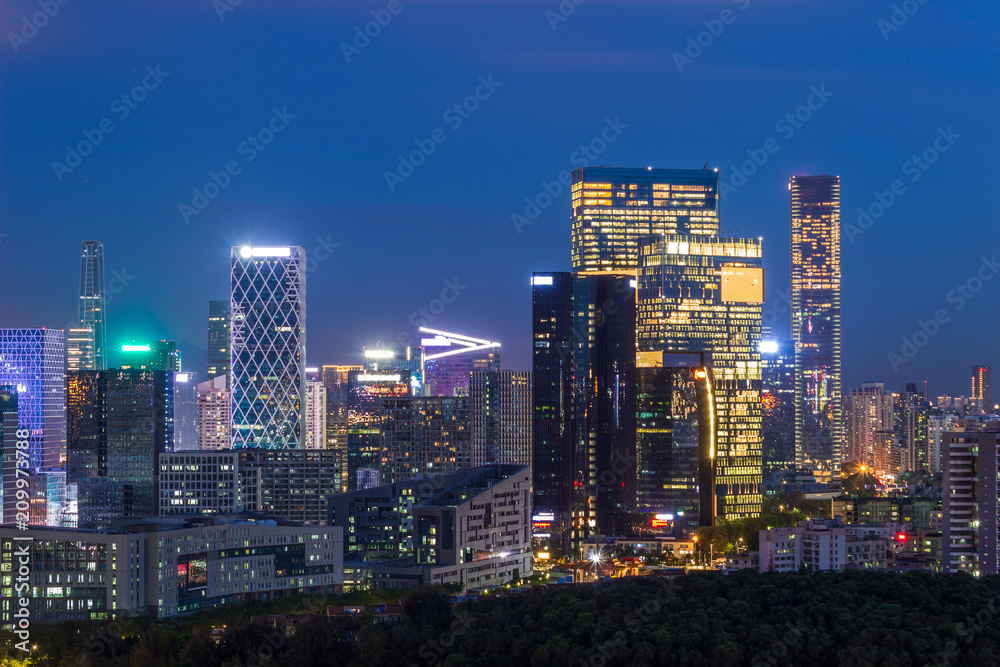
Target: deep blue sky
(322,177)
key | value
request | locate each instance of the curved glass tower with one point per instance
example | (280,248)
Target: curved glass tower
(268,346)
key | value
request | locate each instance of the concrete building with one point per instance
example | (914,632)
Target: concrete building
(199,482)
(213,413)
(471,527)
(164,568)
(970,488)
(825,545)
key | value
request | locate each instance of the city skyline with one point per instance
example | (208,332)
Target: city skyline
(160,269)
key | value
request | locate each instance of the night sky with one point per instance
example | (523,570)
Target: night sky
(321,181)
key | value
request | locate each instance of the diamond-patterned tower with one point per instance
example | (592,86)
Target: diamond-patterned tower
(268,347)
(33,361)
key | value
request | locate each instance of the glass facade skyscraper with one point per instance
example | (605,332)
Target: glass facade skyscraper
(156,355)
(268,346)
(218,338)
(700,294)
(501,417)
(614,209)
(552,433)
(33,361)
(815,219)
(92,300)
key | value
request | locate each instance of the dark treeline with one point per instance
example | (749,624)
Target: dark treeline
(851,618)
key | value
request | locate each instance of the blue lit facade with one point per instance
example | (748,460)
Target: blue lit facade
(268,347)
(33,360)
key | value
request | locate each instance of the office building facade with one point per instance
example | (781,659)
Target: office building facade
(79,349)
(33,361)
(93,312)
(424,435)
(154,355)
(187,414)
(777,404)
(552,431)
(218,339)
(815,223)
(615,209)
(703,295)
(500,404)
(268,347)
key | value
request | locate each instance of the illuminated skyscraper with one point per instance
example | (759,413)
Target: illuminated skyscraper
(552,433)
(33,361)
(268,346)
(982,391)
(701,294)
(79,350)
(777,403)
(92,300)
(815,217)
(869,415)
(213,414)
(615,208)
(366,391)
(315,436)
(187,421)
(218,338)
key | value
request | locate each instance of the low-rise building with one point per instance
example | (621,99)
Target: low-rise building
(163,567)
(825,545)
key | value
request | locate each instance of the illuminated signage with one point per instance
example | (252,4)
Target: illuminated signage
(379,354)
(742,284)
(181,377)
(768,347)
(378,378)
(541,280)
(135,348)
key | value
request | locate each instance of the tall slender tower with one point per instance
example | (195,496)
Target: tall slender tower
(269,347)
(92,301)
(982,391)
(815,217)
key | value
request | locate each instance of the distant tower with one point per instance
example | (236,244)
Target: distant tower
(269,346)
(218,338)
(982,393)
(92,298)
(815,219)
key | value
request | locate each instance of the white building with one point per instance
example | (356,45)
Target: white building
(315,415)
(268,347)
(937,426)
(213,413)
(825,545)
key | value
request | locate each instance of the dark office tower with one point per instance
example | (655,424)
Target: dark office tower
(552,398)
(218,339)
(268,347)
(604,379)
(703,295)
(815,216)
(613,208)
(777,404)
(982,394)
(8,454)
(500,402)
(92,299)
(674,439)
(34,361)
(424,436)
(119,422)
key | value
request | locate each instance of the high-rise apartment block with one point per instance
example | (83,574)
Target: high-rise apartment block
(500,403)
(268,347)
(970,490)
(815,222)
(424,435)
(315,436)
(213,413)
(982,390)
